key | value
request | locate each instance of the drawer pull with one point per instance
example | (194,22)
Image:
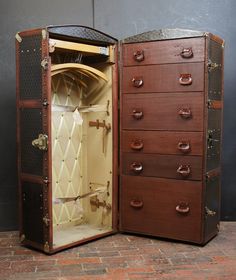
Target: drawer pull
(136,145)
(185,79)
(137,114)
(137,82)
(184,147)
(184,170)
(182,208)
(138,55)
(136,167)
(185,113)
(187,53)
(136,203)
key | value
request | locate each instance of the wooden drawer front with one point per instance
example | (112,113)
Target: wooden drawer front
(163,166)
(163,142)
(172,111)
(166,208)
(163,78)
(160,52)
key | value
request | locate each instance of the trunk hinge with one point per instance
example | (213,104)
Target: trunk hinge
(44,63)
(212,65)
(46,220)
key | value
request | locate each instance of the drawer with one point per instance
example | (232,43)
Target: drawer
(163,111)
(160,52)
(162,142)
(163,78)
(162,166)
(165,208)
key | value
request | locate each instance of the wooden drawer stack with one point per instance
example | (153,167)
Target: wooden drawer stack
(163,138)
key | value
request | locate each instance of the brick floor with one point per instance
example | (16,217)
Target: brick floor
(123,256)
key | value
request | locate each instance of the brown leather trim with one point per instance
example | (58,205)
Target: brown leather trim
(213,173)
(215,104)
(30,103)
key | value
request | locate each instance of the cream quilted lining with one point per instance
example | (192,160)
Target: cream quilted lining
(81,159)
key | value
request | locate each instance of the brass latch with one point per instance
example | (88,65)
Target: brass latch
(212,65)
(209,212)
(41,142)
(46,220)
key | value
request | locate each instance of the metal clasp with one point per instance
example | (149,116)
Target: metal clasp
(209,212)
(212,65)
(41,142)
(44,63)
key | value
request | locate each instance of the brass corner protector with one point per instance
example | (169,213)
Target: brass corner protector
(22,237)
(18,37)
(46,247)
(44,34)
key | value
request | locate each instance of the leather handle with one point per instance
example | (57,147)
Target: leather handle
(138,55)
(184,147)
(184,170)
(136,167)
(137,114)
(136,203)
(182,208)
(137,82)
(185,113)
(187,53)
(136,145)
(185,79)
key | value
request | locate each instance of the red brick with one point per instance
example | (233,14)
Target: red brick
(78,261)
(123,256)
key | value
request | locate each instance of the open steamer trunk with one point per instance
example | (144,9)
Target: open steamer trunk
(167,180)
